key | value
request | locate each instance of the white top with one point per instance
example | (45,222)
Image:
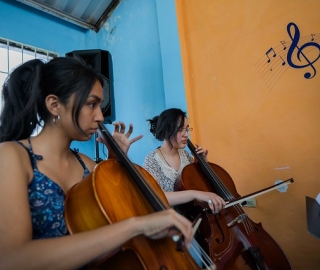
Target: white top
(165,175)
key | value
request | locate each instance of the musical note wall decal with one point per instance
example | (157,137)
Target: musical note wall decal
(298,52)
(283,44)
(294,34)
(271,50)
(312,37)
(283,62)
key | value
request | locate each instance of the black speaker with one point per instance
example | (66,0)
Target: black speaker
(101,61)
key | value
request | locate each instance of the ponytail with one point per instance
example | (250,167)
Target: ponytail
(26,89)
(20,91)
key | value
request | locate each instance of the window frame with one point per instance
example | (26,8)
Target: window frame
(14,49)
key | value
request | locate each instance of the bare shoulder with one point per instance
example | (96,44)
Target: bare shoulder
(10,150)
(13,155)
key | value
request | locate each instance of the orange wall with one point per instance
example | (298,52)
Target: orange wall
(259,120)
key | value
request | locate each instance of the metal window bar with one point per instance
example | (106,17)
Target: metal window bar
(24,49)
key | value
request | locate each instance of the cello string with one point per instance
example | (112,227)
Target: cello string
(216,179)
(208,169)
(223,190)
(216,182)
(203,256)
(247,224)
(155,201)
(206,256)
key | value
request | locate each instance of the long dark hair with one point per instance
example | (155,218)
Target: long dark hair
(167,124)
(26,88)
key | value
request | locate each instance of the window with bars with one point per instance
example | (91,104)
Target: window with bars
(13,53)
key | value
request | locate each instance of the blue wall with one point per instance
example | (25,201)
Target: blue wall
(24,24)
(141,36)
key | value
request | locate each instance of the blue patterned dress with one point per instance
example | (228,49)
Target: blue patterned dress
(46,199)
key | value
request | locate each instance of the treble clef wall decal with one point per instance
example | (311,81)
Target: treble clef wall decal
(295,40)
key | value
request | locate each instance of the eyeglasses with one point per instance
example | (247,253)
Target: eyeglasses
(184,131)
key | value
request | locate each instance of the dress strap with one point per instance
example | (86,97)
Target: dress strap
(37,157)
(31,156)
(75,152)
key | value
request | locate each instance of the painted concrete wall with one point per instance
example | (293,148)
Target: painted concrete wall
(141,36)
(143,39)
(259,118)
(134,36)
(27,25)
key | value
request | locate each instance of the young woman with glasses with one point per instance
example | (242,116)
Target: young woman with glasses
(166,163)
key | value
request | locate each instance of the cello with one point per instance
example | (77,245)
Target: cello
(229,234)
(117,190)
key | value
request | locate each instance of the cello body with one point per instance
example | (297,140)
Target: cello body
(230,234)
(108,195)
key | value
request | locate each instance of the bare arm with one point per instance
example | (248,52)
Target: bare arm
(180,197)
